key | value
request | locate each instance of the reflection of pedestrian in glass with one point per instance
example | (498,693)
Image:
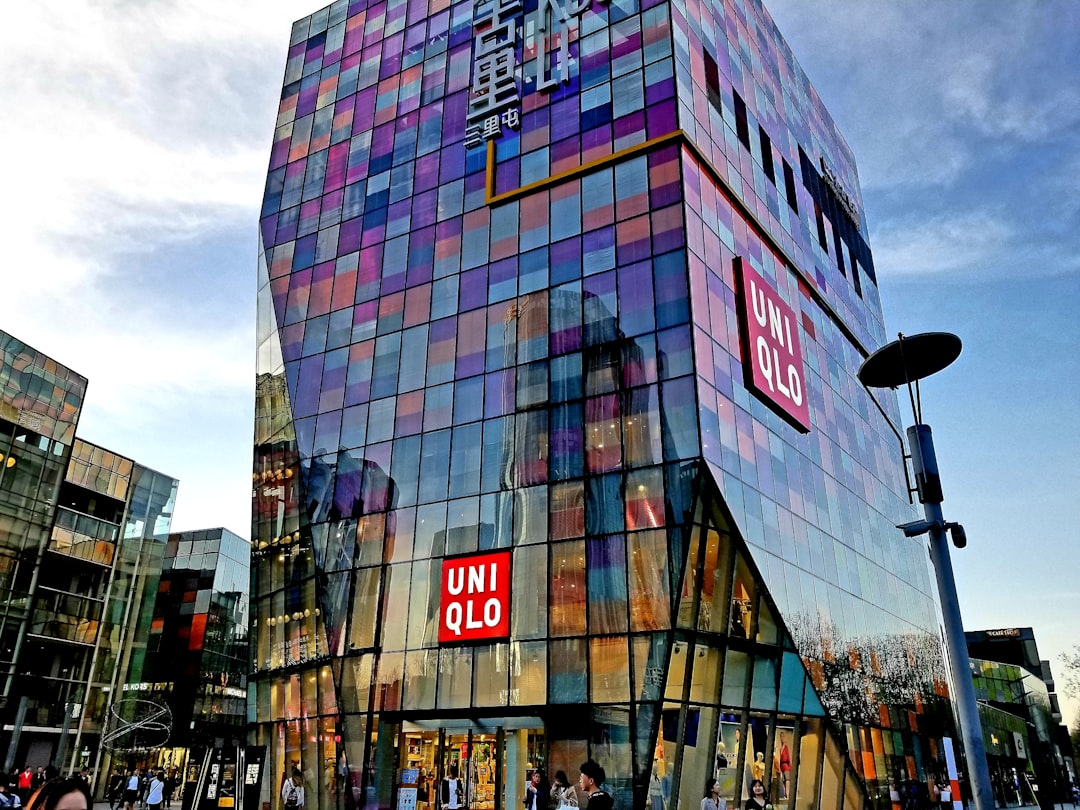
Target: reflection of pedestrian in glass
(712,800)
(563,792)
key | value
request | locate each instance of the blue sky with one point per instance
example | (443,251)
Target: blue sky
(138,134)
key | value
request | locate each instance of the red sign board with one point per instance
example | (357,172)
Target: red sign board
(475,597)
(772,353)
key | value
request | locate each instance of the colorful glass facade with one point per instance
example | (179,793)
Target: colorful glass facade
(513,254)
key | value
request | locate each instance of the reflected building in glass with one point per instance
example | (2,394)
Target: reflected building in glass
(559,448)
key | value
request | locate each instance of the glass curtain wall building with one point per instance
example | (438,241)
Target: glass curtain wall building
(77,530)
(559,448)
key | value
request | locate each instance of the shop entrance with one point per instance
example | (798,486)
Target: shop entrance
(491,763)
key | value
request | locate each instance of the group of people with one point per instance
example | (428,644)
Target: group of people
(150,789)
(757,800)
(19,789)
(540,794)
(50,792)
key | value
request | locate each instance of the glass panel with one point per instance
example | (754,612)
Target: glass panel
(727,755)
(528,673)
(742,600)
(607,584)
(568,611)
(455,678)
(609,664)
(650,602)
(567,668)
(809,768)
(490,672)
(736,674)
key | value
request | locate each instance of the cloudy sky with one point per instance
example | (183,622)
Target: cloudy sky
(136,135)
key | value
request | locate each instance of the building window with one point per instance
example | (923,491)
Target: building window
(766,155)
(742,128)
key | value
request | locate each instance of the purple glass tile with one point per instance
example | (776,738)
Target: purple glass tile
(279,154)
(565,120)
(268,228)
(349,235)
(367,279)
(473,289)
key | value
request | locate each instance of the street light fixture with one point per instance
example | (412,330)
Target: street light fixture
(904,362)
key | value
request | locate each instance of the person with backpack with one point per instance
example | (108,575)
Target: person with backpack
(292,792)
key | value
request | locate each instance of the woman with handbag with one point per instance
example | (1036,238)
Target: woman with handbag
(563,794)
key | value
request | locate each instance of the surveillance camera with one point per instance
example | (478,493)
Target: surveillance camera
(958,535)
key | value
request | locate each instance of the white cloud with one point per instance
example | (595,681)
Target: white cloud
(949,243)
(133,133)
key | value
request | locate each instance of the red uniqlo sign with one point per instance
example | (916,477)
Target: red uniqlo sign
(772,354)
(475,597)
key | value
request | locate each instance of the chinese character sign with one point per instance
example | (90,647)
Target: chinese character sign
(772,353)
(475,600)
(494,102)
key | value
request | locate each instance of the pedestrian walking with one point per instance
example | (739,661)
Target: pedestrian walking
(116,789)
(591,779)
(292,792)
(155,791)
(131,790)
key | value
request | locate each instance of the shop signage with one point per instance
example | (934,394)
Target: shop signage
(1012,632)
(494,101)
(552,23)
(1018,741)
(475,600)
(772,354)
(846,203)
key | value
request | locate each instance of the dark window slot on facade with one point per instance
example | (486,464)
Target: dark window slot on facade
(712,81)
(766,155)
(822,239)
(742,128)
(789,186)
(838,245)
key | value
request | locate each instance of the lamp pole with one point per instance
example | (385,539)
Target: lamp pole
(924,463)
(904,362)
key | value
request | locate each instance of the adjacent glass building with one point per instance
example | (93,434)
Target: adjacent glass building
(559,447)
(81,534)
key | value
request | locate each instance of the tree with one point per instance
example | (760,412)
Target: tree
(1071,681)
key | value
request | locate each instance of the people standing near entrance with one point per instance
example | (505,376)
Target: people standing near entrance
(563,794)
(712,800)
(591,779)
(537,791)
(452,790)
(292,792)
(155,792)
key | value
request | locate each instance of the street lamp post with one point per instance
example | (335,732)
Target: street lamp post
(905,362)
